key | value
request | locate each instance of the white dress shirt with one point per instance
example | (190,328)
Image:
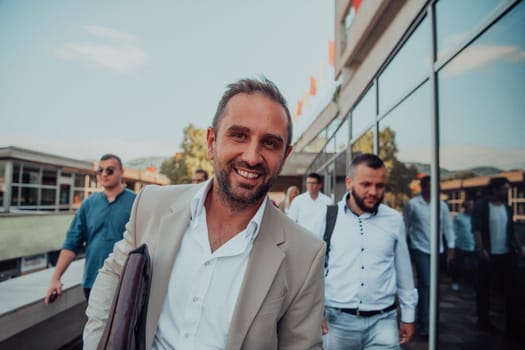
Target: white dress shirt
(417,221)
(204,286)
(498,229)
(308,212)
(369,263)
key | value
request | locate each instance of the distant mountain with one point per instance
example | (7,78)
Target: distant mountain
(144,162)
(450,174)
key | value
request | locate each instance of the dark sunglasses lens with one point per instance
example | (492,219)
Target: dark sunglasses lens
(109,171)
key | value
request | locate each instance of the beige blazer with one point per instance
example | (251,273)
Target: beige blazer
(280,304)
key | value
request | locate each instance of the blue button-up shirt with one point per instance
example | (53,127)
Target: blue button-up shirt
(369,263)
(463,232)
(99,224)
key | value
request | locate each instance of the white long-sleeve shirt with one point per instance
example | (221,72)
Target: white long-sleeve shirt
(369,263)
(417,221)
(308,212)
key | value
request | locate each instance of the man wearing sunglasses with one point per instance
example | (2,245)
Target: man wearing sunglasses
(98,224)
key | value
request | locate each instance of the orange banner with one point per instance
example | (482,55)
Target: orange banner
(331,53)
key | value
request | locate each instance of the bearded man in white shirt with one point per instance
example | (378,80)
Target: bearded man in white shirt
(230,271)
(368,266)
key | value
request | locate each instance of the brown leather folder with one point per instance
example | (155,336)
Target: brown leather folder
(126,325)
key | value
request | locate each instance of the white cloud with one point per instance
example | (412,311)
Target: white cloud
(120,53)
(478,56)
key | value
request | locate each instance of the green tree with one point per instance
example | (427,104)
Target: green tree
(194,155)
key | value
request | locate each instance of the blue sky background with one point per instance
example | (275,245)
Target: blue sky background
(82,78)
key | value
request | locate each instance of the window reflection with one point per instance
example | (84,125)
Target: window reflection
(410,65)
(364,114)
(457,20)
(364,144)
(481,105)
(404,145)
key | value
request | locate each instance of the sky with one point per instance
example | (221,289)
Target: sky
(84,78)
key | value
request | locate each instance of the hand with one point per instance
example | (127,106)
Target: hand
(54,287)
(324,326)
(484,255)
(406,332)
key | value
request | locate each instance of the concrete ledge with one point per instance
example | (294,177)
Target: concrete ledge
(26,322)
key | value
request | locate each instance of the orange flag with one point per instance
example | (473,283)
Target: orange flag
(357,3)
(313,86)
(299,110)
(331,53)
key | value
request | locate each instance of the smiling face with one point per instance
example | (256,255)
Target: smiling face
(249,148)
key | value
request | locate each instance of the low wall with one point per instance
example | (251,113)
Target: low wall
(27,323)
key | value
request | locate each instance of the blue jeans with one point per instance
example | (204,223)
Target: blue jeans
(349,332)
(422,264)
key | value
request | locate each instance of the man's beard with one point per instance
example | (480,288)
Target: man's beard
(361,203)
(239,202)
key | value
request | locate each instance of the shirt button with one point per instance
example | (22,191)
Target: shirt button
(195,299)
(207,263)
(186,335)
(362,267)
(362,249)
(362,284)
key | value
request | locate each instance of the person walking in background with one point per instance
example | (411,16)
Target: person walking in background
(465,261)
(99,223)
(199,175)
(307,208)
(291,193)
(417,220)
(368,266)
(229,270)
(499,254)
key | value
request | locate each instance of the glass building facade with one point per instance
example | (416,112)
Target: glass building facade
(432,87)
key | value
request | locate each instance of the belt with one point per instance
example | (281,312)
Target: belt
(362,313)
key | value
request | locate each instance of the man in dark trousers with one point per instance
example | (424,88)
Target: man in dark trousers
(498,251)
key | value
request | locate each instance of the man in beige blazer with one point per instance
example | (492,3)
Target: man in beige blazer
(257,281)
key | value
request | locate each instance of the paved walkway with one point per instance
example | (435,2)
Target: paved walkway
(457,325)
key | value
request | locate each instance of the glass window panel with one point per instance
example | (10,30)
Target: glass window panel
(14,195)
(481,102)
(481,113)
(49,177)
(80,180)
(48,196)
(364,144)
(340,175)
(29,196)
(404,145)
(456,21)
(78,197)
(2,171)
(317,144)
(31,174)
(330,132)
(342,136)
(16,172)
(92,181)
(364,113)
(407,68)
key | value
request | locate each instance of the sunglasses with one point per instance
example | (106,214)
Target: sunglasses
(109,170)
